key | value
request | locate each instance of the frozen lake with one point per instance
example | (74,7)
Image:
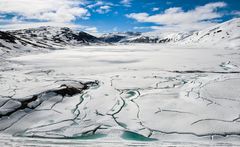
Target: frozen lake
(136,95)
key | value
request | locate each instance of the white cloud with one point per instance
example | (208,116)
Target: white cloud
(103,9)
(126,2)
(36,13)
(99,3)
(140,28)
(155,9)
(236,13)
(176,18)
(6,21)
(45,10)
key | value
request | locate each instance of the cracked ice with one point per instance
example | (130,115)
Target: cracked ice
(164,94)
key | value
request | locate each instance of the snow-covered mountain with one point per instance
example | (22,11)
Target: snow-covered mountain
(42,38)
(158,37)
(11,45)
(56,36)
(119,37)
(137,37)
(45,38)
(227,33)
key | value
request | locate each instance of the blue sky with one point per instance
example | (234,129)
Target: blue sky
(112,15)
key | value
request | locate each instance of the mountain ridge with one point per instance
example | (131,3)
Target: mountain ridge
(56,36)
(46,37)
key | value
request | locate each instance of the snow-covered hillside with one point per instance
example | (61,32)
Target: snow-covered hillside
(118,37)
(147,37)
(40,39)
(227,33)
(11,45)
(158,37)
(56,36)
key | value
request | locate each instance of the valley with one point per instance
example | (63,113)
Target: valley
(176,93)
